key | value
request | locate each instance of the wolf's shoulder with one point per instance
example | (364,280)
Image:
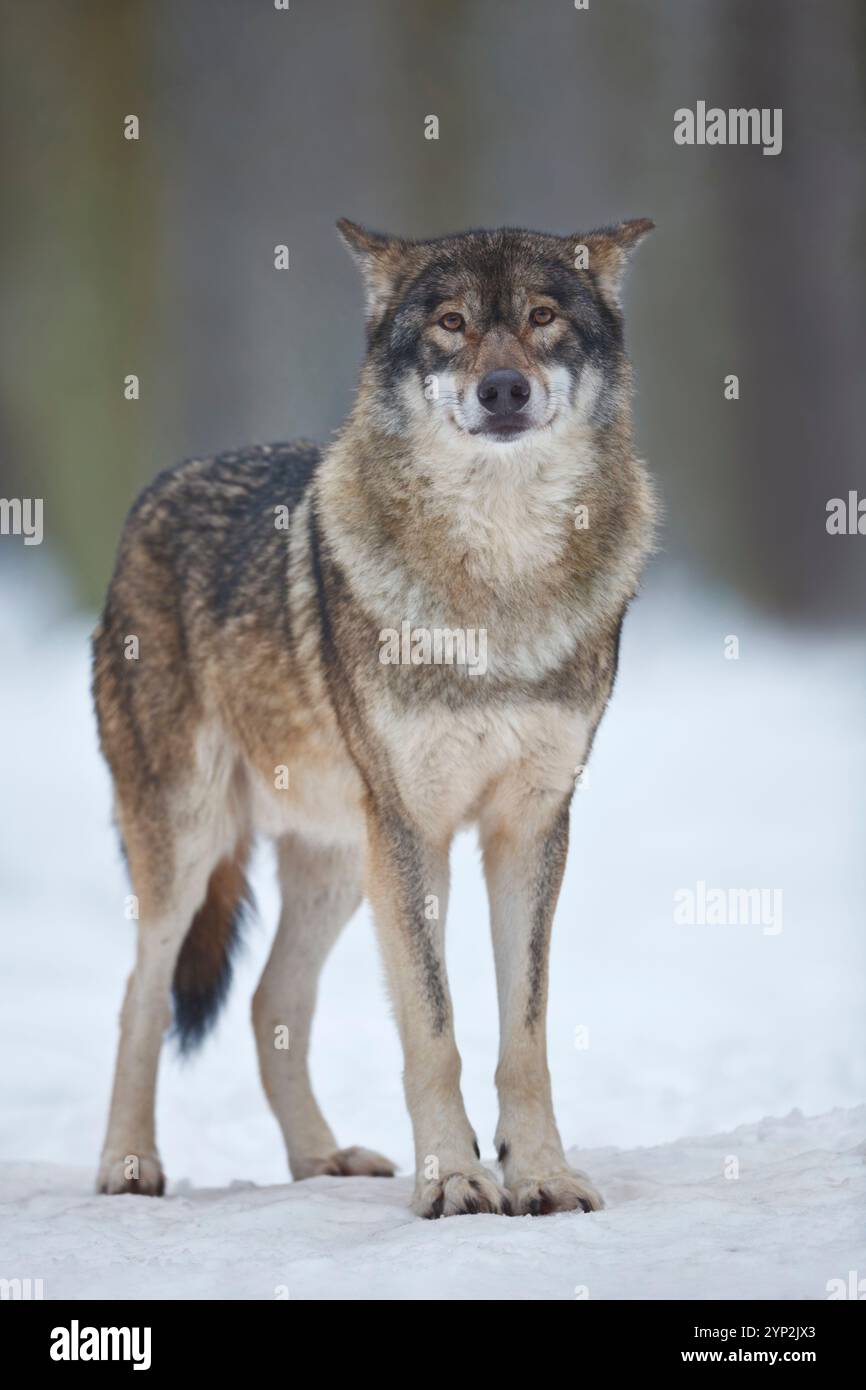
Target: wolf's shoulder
(218,525)
(232,482)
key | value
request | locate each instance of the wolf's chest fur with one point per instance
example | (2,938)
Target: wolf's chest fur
(441,764)
(441,729)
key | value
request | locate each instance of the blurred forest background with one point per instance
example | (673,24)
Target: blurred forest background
(261,127)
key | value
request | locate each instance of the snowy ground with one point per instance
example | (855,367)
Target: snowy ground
(675,1227)
(741,774)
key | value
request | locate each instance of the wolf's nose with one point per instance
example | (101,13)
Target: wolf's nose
(503,391)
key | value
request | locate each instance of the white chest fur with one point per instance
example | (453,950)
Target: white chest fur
(445,762)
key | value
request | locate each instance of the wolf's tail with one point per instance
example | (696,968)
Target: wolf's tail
(203,974)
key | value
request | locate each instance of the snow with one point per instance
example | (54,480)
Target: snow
(737,774)
(675,1226)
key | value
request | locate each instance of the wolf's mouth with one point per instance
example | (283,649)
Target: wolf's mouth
(503,428)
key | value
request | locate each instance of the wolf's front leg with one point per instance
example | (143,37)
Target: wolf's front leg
(525,838)
(407,883)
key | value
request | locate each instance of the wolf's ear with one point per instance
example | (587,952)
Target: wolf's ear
(608,252)
(378,257)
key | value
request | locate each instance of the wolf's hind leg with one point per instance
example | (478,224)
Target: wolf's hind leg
(320,890)
(170,889)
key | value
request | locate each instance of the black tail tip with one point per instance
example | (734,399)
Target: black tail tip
(203,974)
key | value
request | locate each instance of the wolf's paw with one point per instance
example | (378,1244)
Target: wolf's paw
(461,1194)
(137,1173)
(567,1190)
(346,1163)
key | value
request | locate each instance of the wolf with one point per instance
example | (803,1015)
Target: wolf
(486,480)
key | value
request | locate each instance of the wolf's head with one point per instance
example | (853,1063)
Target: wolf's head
(491,339)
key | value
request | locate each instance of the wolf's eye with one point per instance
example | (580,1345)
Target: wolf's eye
(452,323)
(541,316)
